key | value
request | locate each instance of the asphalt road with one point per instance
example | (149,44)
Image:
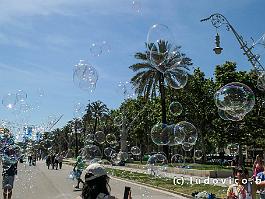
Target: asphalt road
(37,182)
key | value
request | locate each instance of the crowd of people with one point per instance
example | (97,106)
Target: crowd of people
(54,161)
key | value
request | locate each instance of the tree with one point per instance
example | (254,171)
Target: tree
(149,78)
(97,110)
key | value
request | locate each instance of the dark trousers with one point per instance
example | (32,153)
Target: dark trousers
(60,165)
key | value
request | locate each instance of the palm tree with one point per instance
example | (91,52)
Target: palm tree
(97,110)
(157,68)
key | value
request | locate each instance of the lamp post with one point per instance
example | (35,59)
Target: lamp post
(217,21)
(76,130)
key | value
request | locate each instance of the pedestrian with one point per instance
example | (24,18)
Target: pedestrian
(96,185)
(244,188)
(9,172)
(30,159)
(53,160)
(258,166)
(48,161)
(56,161)
(60,160)
(78,169)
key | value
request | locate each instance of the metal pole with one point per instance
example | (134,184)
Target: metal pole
(217,21)
(76,142)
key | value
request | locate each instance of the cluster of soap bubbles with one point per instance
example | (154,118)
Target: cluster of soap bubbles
(85,76)
(96,49)
(165,57)
(234,101)
(183,133)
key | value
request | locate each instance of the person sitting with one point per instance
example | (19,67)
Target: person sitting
(96,184)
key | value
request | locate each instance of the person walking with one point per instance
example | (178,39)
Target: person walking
(53,160)
(9,172)
(78,169)
(48,161)
(56,161)
(60,160)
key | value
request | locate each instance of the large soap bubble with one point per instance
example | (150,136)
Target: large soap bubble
(135,150)
(160,136)
(176,77)
(189,130)
(235,98)
(175,108)
(160,41)
(100,137)
(91,152)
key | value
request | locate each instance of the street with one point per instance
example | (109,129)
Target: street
(37,182)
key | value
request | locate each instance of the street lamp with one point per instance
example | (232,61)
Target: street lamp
(76,130)
(217,21)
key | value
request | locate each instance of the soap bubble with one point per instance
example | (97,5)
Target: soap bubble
(179,134)
(9,101)
(235,98)
(100,137)
(176,77)
(121,156)
(189,130)
(21,95)
(177,160)
(160,41)
(85,76)
(91,152)
(186,146)
(198,154)
(135,150)
(111,139)
(109,151)
(105,47)
(175,108)
(96,49)
(136,5)
(160,136)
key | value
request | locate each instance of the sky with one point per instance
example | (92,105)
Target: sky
(42,40)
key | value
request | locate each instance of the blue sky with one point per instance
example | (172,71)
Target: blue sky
(41,41)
